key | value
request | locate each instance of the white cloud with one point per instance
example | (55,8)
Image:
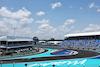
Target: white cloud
(42,21)
(17,23)
(48,31)
(63,28)
(70,6)
(77,31)
(7,25)
(40,13)
(92,28)
(69,21)
(45,31)
(43,26)
(81,8)
(27,32)
(22,13)
(57,4)
(72,27)
(98,10)
(97,6)
(11,20)
(25,21)
(91,5)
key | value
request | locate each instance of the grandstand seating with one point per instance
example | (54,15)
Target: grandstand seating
(82,43)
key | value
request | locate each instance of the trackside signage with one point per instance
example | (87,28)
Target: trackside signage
(76,62)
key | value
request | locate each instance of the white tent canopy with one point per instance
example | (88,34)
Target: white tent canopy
(83,34)
(55,42)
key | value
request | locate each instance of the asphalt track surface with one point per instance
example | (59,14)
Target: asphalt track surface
(81,54)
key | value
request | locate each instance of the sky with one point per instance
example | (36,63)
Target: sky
(48,18)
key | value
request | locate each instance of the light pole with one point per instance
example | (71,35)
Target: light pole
(39,65)
(1,63)
(26,64)
(13,64)
(14,31)
(53,65)
(83,65)
(59,35)
(68,65)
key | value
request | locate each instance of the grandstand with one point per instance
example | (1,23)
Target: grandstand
(11,44)
(82,40)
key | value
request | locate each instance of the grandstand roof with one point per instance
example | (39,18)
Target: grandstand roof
(12,38)
(82,34)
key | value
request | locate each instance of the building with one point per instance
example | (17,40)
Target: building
(52,43)
(9,44)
